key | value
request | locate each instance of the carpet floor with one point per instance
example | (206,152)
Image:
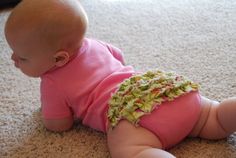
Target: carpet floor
(196,38)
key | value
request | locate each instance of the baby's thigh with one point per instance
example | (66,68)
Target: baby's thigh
(126,140)
(206,105)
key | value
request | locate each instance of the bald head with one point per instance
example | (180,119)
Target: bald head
(56,24)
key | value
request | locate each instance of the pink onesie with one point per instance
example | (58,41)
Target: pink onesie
(83,87)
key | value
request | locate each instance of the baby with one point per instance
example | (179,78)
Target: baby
(142,113)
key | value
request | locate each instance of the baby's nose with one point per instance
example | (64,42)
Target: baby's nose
(15,59)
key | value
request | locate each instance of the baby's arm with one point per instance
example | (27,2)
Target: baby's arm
(56,114)
(58,125)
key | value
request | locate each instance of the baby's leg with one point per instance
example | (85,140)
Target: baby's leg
(217,120)
(128,141)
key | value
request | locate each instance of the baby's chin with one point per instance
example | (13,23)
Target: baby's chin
(31,74)
(27,73)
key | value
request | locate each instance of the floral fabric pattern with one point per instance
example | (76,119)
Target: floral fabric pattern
(141,94)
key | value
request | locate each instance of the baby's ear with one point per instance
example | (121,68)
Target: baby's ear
(61,58)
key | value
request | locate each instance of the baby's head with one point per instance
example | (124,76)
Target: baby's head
(45,33)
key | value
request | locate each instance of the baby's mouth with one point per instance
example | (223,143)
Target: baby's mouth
(16,64)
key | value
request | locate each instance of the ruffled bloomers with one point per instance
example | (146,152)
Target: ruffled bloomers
(140,94)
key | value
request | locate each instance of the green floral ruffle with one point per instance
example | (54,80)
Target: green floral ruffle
(140,94)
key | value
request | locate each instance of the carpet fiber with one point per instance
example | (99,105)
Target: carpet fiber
(196,38)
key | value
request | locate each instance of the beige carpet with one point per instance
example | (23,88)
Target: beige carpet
(196,38)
